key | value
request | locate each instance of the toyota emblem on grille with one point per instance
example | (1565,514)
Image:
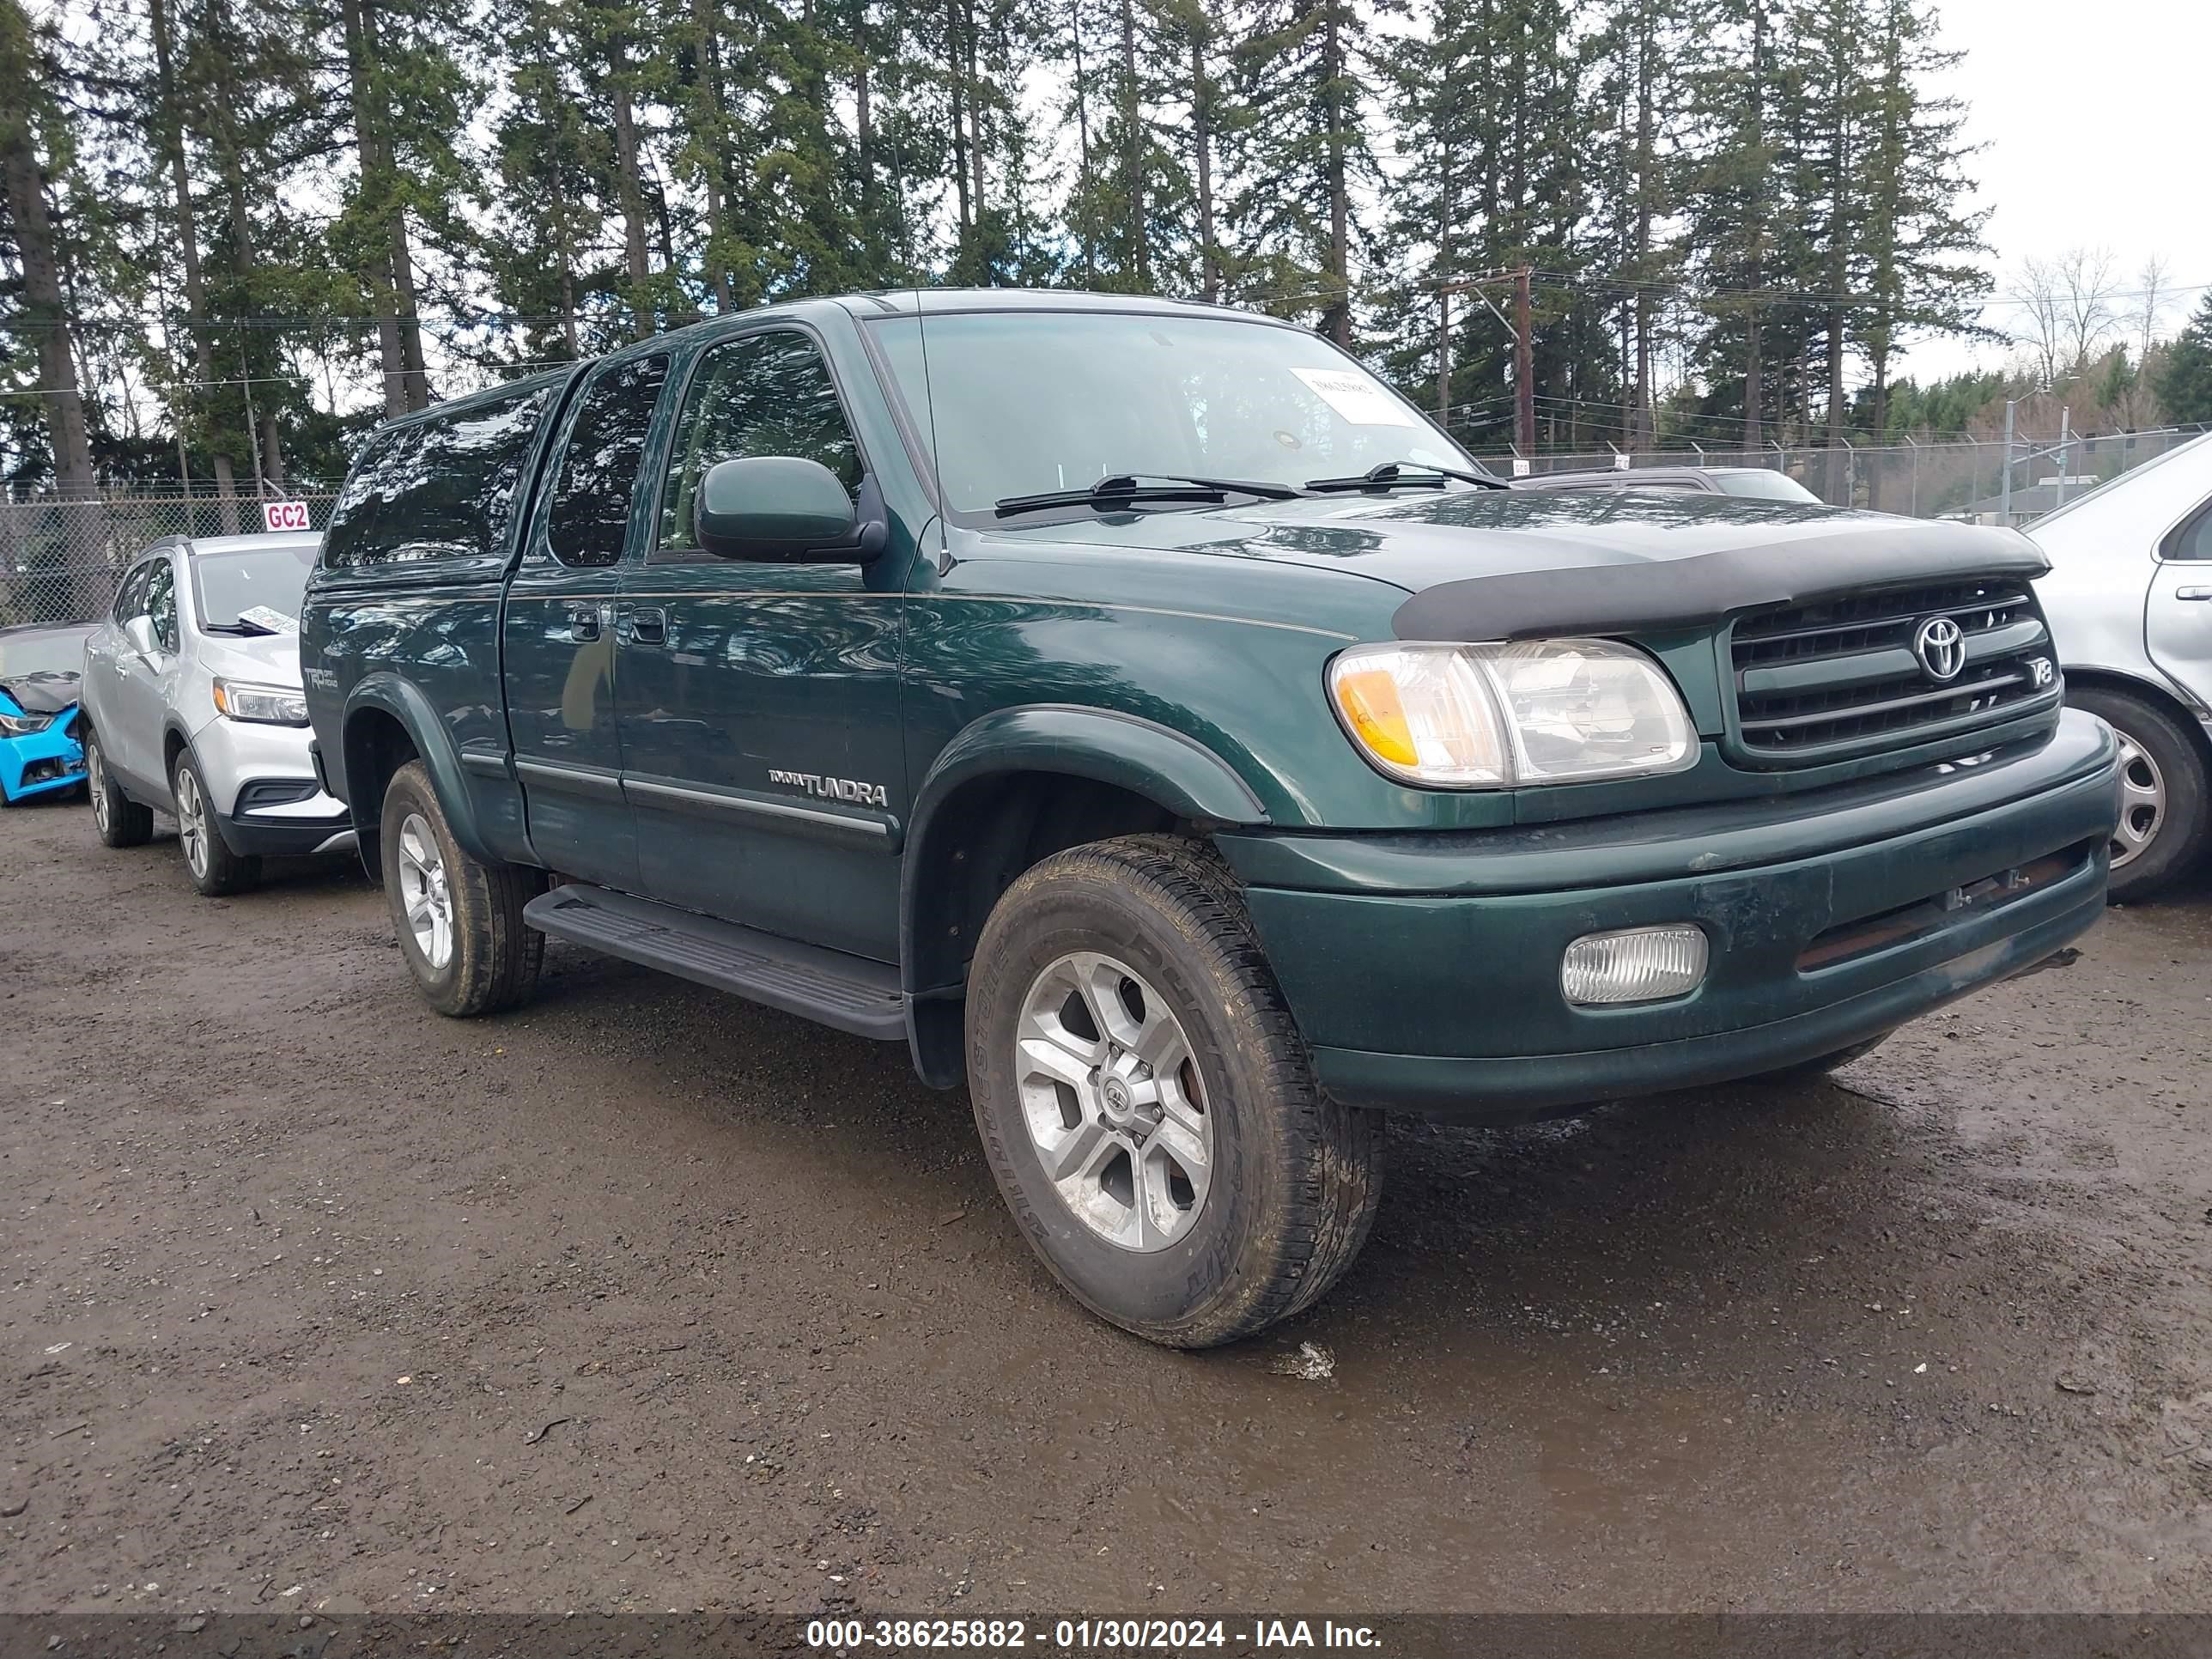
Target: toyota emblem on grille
(1941,645)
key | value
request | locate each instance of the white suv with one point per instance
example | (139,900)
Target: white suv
(192,707)
(2128,599)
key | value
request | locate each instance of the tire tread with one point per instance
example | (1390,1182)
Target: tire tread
(1337,1183)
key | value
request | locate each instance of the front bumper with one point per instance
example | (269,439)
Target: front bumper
(276,833)
(42,762)
(267,798)
(1424,970)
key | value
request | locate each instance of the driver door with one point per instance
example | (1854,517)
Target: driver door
(760,700)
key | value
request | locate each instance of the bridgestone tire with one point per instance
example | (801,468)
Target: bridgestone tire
(2180,841)
(496,954)
(1295,1176)
(120,821)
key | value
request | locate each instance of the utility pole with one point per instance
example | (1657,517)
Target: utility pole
(2004,489)
(2065,443)
(1524,367)
(1524,358)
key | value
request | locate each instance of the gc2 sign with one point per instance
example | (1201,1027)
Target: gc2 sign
(284,515)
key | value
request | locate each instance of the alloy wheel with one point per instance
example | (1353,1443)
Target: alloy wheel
(2143,802)
(422,892)
(95,778)
(1115,1108)
(191,820)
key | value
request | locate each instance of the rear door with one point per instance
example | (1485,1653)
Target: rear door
(2178,618)
(559,626)
(760,702)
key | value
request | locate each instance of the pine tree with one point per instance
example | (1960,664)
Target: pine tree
(1304,74)
(34,144)
(1920,245)
(2184,385)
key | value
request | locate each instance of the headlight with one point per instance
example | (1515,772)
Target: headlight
(1501,716)
(266,705)
(21,725)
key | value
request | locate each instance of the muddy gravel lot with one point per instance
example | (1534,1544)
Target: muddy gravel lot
(645,1297)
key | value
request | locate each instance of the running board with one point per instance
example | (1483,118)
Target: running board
(850,993)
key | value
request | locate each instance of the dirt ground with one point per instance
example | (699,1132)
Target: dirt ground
(643,1298)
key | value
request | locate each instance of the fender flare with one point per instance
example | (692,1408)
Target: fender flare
(406,703)
(1140,755)
(1167,767)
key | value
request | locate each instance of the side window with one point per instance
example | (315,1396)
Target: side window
(441,489)
(161,603)
(130,597)
(2193,540)
(602,464)
(763,394)
(353,516)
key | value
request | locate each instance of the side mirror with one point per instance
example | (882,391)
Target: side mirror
(139,630)
(784,509)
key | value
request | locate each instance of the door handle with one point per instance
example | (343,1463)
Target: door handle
(2192,593)
(648,625)
(583,621)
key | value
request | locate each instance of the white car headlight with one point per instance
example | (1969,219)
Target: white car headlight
(264,705)
(1501,716)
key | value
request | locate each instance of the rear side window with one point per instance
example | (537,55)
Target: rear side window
(436,489)
(2194,539)
(589,520)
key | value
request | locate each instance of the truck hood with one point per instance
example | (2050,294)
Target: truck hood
(269,659)
(1494,564)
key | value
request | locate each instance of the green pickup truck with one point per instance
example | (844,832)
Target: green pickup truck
(1157,723)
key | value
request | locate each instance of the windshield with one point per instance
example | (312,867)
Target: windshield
(1028,402)
(58,652)
(229,584)
(1759,485)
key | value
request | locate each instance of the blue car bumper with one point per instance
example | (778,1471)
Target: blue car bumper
(42,762)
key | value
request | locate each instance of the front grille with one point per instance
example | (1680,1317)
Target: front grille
(1840,677)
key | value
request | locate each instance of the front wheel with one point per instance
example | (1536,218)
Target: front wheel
(121,821)
(2164,820)
(459,921)
(214,868)
(1146,1104)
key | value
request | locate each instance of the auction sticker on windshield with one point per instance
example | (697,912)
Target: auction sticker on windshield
(1354,395)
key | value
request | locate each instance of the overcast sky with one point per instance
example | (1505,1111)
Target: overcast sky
(2095,120)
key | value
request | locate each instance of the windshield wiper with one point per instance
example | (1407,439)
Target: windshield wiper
(240,629)
(1126,489)
(1391,475)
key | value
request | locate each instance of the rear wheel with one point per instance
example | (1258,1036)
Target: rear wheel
(1146,1104)
(2164,819)
(459,921)
(121,821)
(214,868)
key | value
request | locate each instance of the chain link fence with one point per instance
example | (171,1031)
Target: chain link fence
(59,559)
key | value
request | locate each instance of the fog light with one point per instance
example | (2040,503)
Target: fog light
(1636,965)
